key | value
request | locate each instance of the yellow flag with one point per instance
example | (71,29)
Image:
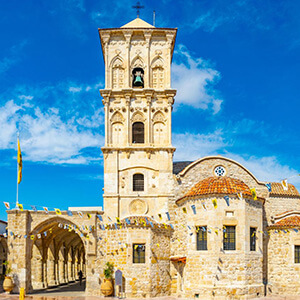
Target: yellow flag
(214,202)
(253,192)
(184,210)
(20,206)
(57,210)
(19,163)
(88,215)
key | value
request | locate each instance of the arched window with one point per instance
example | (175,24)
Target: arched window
(138,77)
(138,182)
(138,133)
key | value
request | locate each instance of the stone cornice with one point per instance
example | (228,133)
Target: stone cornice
(138,92)
(138,148)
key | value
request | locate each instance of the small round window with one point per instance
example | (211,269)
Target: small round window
(220,171)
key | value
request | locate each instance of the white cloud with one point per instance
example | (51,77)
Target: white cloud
(193,146)
(46,137)
(8,124)
(73,89)
(268,168)
(194,80)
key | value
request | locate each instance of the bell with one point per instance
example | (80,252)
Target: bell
(138,81)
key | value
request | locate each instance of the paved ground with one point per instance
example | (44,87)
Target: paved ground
(74,291)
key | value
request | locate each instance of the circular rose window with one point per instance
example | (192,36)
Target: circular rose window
(220,171)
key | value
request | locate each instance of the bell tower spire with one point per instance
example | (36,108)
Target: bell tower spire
(138,100)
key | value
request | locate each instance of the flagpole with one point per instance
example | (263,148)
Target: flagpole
(17,202)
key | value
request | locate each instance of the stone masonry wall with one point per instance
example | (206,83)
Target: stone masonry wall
(284,273)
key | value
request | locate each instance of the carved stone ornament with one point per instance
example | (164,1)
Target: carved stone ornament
(158,118)
(158,63)
(138,117)
(117,118)
(138,207)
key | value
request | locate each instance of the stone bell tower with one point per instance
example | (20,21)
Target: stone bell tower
(138,101)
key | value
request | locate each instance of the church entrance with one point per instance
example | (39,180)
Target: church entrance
(57,257)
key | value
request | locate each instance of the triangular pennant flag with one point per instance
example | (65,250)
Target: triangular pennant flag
(7,205)
(203,205)
(88,215)
(253,192)
(46,210)
(226,198)
(33,207)
(215,203)
(32,237)
(108,217)
(20,206)
(168,216)
(80,214)
(284,184)
(118,220)
(127,221)
(151,224)
(69,213)
(116,226)
(269,187)
(184,210)
(159,215)
(57,211)
(100,218)
(194,209)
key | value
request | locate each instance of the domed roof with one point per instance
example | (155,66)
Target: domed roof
(218,185)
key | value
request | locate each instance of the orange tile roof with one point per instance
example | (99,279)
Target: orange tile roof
(277,190)
(293,221)
(218,185)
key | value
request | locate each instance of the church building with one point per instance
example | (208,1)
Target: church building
(204,229)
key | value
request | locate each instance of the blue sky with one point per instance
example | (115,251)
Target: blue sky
(236,67)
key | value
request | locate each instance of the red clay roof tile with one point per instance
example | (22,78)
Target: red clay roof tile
(293,221)
(277,190)
(218,185)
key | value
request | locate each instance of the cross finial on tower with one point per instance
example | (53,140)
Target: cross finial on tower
(138,6)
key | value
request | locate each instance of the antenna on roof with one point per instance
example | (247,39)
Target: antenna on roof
(154,18)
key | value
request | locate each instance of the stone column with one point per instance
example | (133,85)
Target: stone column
(51,272)
(45,277)
(61,272)
(69,270)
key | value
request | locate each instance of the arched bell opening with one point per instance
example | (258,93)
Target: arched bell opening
(138,77)
(57,256)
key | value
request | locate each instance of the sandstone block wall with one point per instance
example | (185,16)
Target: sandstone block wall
(283,272)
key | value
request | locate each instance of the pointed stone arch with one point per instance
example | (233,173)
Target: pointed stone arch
(158,117)
(117,73)
(138,117)
(117,129)
(157,73)
(117,117)
(159,129)
(137,62)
